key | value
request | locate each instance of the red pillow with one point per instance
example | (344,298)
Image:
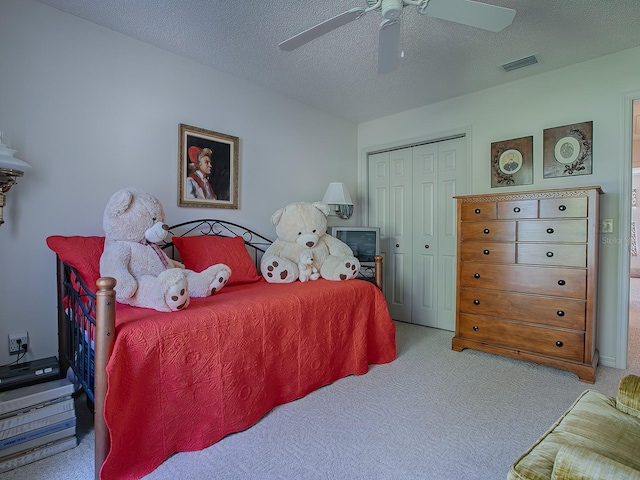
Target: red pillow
(200,252)
(82,253)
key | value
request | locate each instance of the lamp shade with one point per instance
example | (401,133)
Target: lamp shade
(337,194)
(8,161)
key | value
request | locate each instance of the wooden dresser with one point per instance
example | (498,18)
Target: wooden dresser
(527,276)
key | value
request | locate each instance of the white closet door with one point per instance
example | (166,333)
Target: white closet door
(411,194)
(400,235)
(379,197)
(424,309)
(452,180)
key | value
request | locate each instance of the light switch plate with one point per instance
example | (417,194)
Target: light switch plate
(606,225)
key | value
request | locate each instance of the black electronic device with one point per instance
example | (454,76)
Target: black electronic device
(29,373)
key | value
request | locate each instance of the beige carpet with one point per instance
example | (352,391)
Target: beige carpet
(431,414)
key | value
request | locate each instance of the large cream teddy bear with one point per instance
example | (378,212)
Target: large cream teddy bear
(302,240)
(133,222)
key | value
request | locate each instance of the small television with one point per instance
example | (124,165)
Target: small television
(364,241)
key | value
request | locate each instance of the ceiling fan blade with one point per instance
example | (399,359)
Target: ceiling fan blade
(468,12)
(388,46)
(322,28)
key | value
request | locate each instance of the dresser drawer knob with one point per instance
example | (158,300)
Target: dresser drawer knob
(562,208)
(476,211)
(549,231)
(549,254)
(560,313)
(476,275)
(486,252)
(426,246)
(559,343)
(397,245)
(486,231)
(476,302)
(516,209)
(561,282)
(476,328)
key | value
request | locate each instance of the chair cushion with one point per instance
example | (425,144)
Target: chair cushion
(628,399)
(593,422)
(576,463)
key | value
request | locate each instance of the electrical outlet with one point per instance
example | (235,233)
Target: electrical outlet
(18,342)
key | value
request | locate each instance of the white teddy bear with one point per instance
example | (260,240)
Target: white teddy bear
(306,269)
(145,276)
(301,227)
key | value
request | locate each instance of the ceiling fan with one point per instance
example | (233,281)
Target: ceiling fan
(466,12)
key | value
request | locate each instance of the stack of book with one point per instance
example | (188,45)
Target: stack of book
(36,422)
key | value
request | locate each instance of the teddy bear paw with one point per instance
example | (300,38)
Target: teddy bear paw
(177,295)
(347,270)
(220,280)
(277,271)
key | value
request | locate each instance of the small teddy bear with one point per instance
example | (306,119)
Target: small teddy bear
(306,268)
(145,276)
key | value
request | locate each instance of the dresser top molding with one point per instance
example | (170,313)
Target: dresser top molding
(532,195)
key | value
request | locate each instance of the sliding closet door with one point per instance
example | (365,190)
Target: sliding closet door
(452,180)
(424,309)
(411,194)
(390,209)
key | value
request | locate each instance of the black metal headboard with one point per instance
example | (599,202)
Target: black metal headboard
(256,243)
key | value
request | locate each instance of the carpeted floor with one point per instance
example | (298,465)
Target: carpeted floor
(431,414)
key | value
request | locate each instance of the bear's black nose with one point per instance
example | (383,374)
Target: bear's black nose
(310,244)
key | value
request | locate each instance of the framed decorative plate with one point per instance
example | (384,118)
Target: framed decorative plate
(567,150)
(512,162)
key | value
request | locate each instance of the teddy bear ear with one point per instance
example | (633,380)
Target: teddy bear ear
(323,207)
(119,202)
(275,218)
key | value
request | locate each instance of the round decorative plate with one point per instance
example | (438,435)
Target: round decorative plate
(566,150)
(510,161)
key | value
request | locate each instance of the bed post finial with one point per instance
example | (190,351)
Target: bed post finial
(104,340)
(378,270)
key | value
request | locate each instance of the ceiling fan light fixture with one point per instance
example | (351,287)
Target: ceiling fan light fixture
(391,9)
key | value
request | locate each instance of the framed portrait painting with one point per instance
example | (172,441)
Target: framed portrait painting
(512,162)
(567,150)
(207,168)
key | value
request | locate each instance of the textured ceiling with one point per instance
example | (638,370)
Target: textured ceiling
(337,73)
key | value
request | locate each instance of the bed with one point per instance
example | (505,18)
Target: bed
(163,383)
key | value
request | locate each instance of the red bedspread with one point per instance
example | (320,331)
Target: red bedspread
(181,381)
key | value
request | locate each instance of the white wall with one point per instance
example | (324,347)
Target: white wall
(593,90)
(94,111)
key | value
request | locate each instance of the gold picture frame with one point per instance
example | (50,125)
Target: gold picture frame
(207,168)
(512,162)
(567,150)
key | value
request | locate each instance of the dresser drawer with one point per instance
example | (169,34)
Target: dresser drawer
(574,231)
(518,209)
(563,255)
(488,252)
(478,211)
(564,207)
(559,282)
(544,340)
(488,231)
(555,311)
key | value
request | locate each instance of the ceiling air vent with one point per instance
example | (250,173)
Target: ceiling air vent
(523,62)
